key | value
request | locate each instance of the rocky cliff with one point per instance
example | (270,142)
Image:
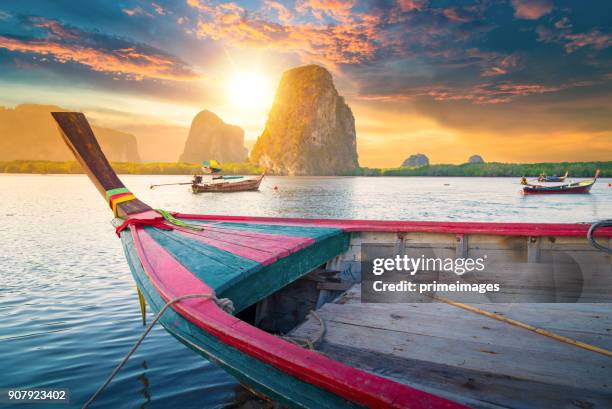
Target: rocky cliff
(310,129)
(211,138)
(29,132)
(476,159)
(415,161)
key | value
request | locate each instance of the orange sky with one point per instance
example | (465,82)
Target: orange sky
(514,82)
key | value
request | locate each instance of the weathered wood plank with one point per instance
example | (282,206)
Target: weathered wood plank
(457,324)
(561,365)
(474,388)
(484,362)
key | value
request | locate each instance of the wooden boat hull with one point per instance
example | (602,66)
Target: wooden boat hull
(242,186)
(563,189)
(582,187)
(251,371)
(291,375)
(247,260)
(274,367)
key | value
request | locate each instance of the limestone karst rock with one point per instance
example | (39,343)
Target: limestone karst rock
(211,138)
(28,132)
(310,128)
(476,159)
(416,161)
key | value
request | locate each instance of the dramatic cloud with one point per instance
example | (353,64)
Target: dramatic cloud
(339,10)
(594,38)
(353,40)
(410,5)
(100,53)
(531,9)
(283,14)
(562,34)
(158,9)
(135,11)
(488,93)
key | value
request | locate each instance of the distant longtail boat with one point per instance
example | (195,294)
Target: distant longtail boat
(581,187)
(240,186)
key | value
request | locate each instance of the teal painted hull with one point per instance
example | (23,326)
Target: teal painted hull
(253,373)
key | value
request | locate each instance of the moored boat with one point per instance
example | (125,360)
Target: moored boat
(274,269)
(581,187)
(224,186)
(554,178)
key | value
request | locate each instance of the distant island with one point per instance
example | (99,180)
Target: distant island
(490,169)
(495,169)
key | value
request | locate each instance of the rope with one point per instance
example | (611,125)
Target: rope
(591,233)
(541,331)
(528,327)
(173,220)
(225,304)
(305,342)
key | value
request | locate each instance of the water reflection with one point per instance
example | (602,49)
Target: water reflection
(145,385)
(68,308)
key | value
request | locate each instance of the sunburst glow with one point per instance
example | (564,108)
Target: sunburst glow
(250,90)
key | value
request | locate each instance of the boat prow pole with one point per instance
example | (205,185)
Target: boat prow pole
(79,137)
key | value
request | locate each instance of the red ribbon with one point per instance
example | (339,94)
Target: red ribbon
(157,222)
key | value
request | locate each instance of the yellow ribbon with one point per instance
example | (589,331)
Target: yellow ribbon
(121,199)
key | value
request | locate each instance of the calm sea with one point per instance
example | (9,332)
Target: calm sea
(68,306)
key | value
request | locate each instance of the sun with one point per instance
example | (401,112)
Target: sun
(250,90)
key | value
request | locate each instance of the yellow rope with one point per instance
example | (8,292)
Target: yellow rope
(528,327)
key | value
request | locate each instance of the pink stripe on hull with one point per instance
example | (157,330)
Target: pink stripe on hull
(496,229)
(172,279)
(261,247)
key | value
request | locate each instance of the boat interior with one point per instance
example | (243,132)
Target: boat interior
(276,272)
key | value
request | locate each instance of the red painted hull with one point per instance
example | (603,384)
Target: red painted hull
(574,188)
(166,265)
(578,190)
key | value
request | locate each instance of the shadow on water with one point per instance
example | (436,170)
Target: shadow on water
(145,385)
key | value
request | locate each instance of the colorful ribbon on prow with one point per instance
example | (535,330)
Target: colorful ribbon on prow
(116,196)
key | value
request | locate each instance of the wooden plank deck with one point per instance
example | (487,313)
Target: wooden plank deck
(474,359)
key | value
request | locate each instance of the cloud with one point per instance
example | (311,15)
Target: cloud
(501,65)
(573,41)
(531,9)
(593,38)
(4,15)
(158,9)
(284,15)
(563,23)
(116,56)
(487,93)
(344,32)
(410,5)
(135,11)
(353,40)
(339,10)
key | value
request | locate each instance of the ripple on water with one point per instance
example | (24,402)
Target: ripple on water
(68,307)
